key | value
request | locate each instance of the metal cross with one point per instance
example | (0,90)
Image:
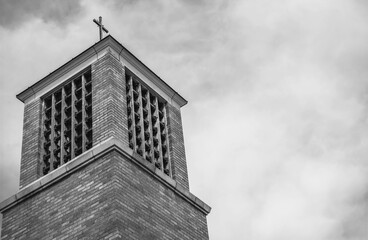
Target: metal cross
(99,23)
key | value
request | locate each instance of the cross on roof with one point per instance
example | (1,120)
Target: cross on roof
(99,23)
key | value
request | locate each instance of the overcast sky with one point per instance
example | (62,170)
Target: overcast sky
(276,128)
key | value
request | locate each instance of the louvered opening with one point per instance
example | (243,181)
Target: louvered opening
(67,122)
(147,124)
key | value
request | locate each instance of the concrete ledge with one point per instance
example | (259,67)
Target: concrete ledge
(91,155)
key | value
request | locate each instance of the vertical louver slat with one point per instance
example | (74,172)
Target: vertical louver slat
(43,138)
(72,122)
(136,118)
(52,157)
(164,142)
(83,114)
(131,114)
(157,152)
(62,130)
(88,111)
(68,122)
(57,129)
(149,118)
(140,123)
(78,125)
(46,145)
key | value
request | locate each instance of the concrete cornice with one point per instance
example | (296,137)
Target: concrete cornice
(96,51)
(111,144)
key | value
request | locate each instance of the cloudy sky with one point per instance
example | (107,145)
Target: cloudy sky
(276,128)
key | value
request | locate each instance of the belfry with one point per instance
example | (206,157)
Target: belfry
(103,155)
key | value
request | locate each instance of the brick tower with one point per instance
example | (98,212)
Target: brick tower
(103,155)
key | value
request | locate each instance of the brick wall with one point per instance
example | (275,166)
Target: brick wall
(147,209)
(109,198)
(109,100)
(177,150)
(76,207)
(31,135)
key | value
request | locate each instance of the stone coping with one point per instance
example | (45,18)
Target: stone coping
(90,156)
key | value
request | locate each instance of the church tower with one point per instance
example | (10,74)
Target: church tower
(103,155)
